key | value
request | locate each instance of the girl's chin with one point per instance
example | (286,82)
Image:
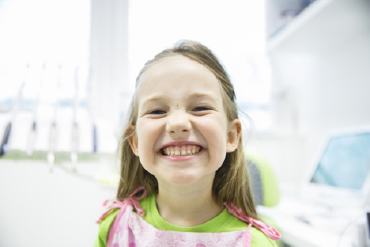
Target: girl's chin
(181,180)
(185,179)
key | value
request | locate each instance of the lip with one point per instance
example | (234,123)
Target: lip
(179,158)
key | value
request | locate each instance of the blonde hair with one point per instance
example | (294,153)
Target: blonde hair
(231,183)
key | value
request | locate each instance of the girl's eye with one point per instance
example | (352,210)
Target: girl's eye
(157,112)
(201,108)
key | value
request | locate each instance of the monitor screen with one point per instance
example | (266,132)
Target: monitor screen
(345,162)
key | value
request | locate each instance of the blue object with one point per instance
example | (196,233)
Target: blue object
(5,140)
(94,139)
(345,162)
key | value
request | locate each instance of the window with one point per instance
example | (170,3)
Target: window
(41,40)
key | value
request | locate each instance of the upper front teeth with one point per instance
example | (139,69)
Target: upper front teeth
(181,150)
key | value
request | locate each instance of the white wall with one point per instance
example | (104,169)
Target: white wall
(321,81)
(327,73)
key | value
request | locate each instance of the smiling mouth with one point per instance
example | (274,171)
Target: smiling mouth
(183,150)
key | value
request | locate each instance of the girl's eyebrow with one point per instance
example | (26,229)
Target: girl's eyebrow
(166,98)
(153,99)
(201,95)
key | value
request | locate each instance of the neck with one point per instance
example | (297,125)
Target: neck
(187,205)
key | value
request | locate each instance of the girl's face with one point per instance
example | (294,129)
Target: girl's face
(182,134)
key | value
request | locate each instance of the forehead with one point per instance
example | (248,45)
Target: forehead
(177,76)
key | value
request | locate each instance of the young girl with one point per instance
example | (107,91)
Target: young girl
(183,175)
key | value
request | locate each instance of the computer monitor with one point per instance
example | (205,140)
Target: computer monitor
(342,171)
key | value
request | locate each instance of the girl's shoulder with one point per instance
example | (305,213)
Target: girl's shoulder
(104,226)
(259,239)
(106,222)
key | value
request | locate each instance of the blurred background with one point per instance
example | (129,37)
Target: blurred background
(301,73)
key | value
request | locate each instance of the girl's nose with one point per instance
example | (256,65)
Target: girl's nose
(178,124)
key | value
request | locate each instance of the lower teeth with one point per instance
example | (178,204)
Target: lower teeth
(188,154)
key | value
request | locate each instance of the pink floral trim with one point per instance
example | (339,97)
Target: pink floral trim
(266,229)
(132,200)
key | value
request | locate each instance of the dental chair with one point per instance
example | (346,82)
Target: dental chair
(265,188)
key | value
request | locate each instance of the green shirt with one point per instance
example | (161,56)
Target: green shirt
(223,222)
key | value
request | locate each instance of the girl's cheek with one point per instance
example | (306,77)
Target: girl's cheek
(147,132)
(212,125)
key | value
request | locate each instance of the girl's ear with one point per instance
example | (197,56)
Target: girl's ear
(233,135)
(132,139)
